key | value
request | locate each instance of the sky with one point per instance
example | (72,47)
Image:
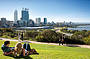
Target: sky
(54,10)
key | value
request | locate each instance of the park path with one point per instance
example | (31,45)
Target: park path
(70,45)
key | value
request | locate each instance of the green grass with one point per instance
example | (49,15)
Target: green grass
(52,52)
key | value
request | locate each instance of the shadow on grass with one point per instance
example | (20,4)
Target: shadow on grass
(24,57)
(21,57)
(71,45)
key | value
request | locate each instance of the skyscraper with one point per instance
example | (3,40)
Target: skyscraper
(38,21)
(3,22)
(25,14)
(15,16)
(45,20)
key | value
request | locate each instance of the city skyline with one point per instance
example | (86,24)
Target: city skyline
(54,10)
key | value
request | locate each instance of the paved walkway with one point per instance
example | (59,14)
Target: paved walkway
(70,45)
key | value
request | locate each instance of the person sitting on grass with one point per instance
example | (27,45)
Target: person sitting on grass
(12,50)
(24,50)
(6,49)
(19,50)
(27,48)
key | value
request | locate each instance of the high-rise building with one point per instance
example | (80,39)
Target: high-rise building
(45,20)
(38,21)
(15,16)
(25,14)
(4,22)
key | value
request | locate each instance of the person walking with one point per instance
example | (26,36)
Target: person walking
(22,36)
(62,41)
(59,41)
(19,36)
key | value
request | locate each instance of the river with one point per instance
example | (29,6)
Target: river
(86,27)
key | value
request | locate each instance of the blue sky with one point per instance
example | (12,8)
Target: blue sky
(54,10)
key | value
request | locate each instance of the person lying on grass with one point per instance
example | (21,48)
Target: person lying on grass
(6,49)
(19,50)
(9,50)
(12,50)
(24,50)
(28,49)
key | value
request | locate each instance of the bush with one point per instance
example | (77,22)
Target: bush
(48,36)
(15,38)
(77,37)
(26,38)
(5,36)
(87,40)
(39,38)
(31,34)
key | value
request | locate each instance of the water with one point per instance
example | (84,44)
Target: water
(86,27)
(30,28)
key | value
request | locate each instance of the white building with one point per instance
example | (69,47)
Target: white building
(15,16)
(38,21)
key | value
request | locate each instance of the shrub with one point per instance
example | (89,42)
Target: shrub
(39,38)
(5,36)
(48,36)
(31,34)
(86,40)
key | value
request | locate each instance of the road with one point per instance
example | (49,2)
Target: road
(68,34)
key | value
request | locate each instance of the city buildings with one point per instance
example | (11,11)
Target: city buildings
(24,20)
(10,24)
(25,14)
(15,16)
(31,23)
(25,17)
(38,21)
(5,23)
(45,21)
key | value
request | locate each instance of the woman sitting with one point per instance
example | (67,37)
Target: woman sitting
(19,50)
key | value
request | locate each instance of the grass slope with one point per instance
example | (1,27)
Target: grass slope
(52,52)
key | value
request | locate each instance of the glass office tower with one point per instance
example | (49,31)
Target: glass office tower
(25,14)
(45,20)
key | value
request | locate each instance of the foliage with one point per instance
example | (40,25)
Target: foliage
(31,34)
(5,36)
(77,37)
(87,40)
(39,38)
(7,33)
(48,36)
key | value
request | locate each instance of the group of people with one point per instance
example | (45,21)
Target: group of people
(19,49)
(61,40)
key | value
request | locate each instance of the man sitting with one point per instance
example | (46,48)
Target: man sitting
(28,49)
(6,49)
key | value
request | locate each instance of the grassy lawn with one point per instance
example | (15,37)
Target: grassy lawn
(52,52)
